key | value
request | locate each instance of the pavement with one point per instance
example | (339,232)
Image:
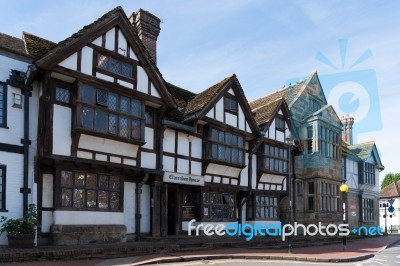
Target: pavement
(144,253)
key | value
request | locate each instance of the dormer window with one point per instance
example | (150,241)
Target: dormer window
(280,124)
(114,66)
(230,104)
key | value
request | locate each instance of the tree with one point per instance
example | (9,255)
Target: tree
(389,179)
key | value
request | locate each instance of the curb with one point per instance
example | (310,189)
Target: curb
(249,256)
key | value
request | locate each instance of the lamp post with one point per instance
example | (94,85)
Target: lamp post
(290,142)
(344,188)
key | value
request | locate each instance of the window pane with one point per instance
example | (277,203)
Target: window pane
(136,108)
(123,127)
(114,202)
(87,117)
(102,97)
(103,199)
(62,94)
(149,118)
(66,197)
(214,134)
(79,198)
(136,129)
(112,124)
(113,101)
(103,181)
(87,94)
(228,138)
(114,182)
(79,179)
(124,105)
(91,180)
(221,152)
(101,124)
(91,199)
(221,136)
(66,178)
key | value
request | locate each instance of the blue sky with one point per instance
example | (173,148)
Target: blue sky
(265,43)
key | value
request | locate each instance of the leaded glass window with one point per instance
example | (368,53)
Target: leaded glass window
(274,159)
(226,147)
(218,206)
(106,112)
(90,191)
(62,94)
(114,66)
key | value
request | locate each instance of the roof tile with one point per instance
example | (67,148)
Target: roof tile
(12,43)
(391,191)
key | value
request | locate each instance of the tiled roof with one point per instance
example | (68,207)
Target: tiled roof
(265,112)
(180,96)
(203,98)
(37,46)
(12,44)
(362,150)
(286,93)
(391,191)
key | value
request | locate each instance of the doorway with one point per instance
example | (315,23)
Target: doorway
(171,212)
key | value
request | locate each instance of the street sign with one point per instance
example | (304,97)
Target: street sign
(391,209)
(391,202)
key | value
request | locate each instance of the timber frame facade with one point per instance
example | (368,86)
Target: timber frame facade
(122,153)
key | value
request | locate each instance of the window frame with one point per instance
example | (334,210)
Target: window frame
(3,177)
(98,51)
(60,187)
(369,174)
(229,97)
(65,86)
(329,141)
(218,205)
(209,142)
(259,205)
(330,198)
(276,157)
(3,122)
(282,123)
(367,210)
(81,104)
(311,196)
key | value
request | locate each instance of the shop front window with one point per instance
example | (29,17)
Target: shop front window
(218,206)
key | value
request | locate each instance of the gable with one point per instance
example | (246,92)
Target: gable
(329,115)
(109,49)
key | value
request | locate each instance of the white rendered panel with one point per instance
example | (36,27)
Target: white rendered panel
(97,41)
(70,62)
(111,146)
(125,84)
(149,133)
(87,60)
(132,55)
(88,217)
(110,39)
(197,146)
(231,119)
(47,198)
(210,113)
(242,119)
(62,130)
(104,77)
(148,160)
(154,91)
(145,209)
(122,44)
(47,221)
(129,206)
(183,144)
(168,163)
(183,166)
(196,168)
(169,140)
(142,80)
(220,110)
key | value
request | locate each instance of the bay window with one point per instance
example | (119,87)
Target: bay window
(274,159)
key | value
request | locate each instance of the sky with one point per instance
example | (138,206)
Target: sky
(353,45)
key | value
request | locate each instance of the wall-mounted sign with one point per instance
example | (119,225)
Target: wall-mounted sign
(353,213)
(184,179)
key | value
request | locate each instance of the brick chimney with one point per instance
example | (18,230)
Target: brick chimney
(347,135)
(148,28)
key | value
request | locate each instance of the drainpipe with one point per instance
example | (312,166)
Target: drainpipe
(138,215)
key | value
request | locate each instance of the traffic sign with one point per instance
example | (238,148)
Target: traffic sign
(391,209)
(391,201)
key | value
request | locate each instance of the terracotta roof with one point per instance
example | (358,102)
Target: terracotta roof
(265,112)
(37,46)
(391,191)
(12,43)
(203,98)
(362,150)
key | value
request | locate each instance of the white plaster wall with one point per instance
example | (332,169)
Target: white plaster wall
(231,119)
(168,163)
(122,43)
(132,54)
(210,113)
(196,168)
(47,221)
(197,147)
(352,173)
(142,80)
(219,110)
(183,144)
(62,130)
(70,62)
(145,208)
(105,77)
(280,136)
(47,198)
(242,119)
(148,160)
(154,91)
(248,129)
(88,217)
(86,61)
(169,140)
(149,134)
(110,39)
(254,177)
(272,130)
(125,84)
(129,206)
(97,41)
(183,166)
(108,145)
(14,181)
